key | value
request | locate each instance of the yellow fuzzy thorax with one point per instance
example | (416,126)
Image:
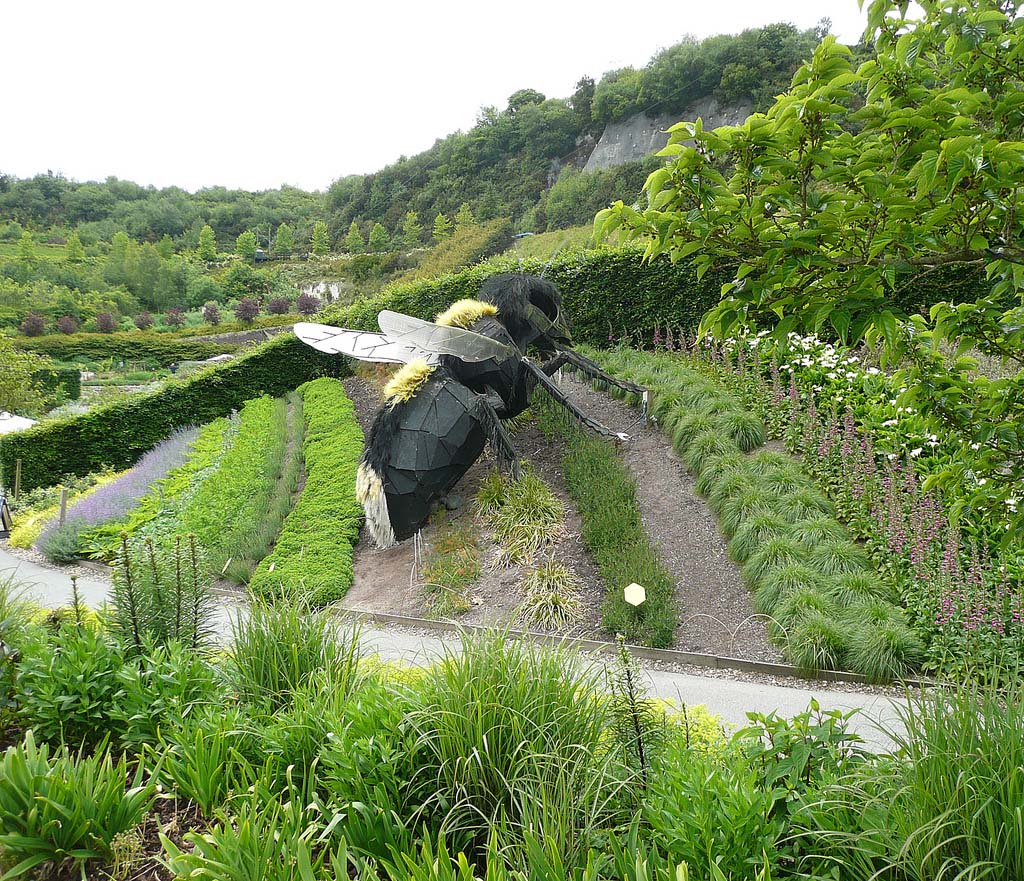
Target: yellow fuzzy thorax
(407,381)
(463,313)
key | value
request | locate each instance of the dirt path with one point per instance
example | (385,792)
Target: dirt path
(715,606)
(716,613)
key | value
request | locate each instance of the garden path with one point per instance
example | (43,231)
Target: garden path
(716,613)
(730,699)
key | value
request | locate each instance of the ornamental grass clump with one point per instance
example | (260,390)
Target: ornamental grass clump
(779,582)
(747,503)
(705,448)
(743,427)
(885,650)
(773,554)
(839,558)
(552,597)
(505,728)
(817,530)
(754,532)
(733,461)
(804,503)
(795,606)
(524,515)
(817,642)
(689,427)
(852,587)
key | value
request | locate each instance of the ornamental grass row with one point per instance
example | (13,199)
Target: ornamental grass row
(605,496)
(825,604)
(313,554)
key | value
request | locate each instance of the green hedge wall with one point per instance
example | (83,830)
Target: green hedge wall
(163,348)
(597,286)
(116,435)
(613,292)
(65,381)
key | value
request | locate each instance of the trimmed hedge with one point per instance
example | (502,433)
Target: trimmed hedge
(613,293)
(597,286)
(128,346)
(63,381)
(114,436)
(313,554)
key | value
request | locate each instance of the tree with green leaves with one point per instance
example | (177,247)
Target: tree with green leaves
(412,231)
(19,390)
(379,239)
(76,253)
(321,243)
(829,215)
(464,217)
(165,246)
(442,227)
(284,240)
(27,248)
(245,245)
(354,243)
(207,249)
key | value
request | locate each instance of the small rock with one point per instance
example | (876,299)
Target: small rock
(453,503)
(476,600)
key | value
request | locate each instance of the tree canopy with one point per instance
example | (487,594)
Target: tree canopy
(829,214)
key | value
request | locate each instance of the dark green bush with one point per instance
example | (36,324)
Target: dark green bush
(116,435)
(60,383)
(164,348)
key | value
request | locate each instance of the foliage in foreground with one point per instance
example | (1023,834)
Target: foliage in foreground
(500,760)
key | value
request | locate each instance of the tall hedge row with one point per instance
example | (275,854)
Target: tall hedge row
(605,291)
(117,434)
(163,348)
(614,293)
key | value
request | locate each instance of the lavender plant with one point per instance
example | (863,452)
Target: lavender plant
(114,500)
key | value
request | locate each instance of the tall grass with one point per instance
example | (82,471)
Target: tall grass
(510,734)
(277,649)
(949,805)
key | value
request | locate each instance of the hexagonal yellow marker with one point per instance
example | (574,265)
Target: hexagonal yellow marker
(634,594)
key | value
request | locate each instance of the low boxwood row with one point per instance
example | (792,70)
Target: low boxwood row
(115,435)
(166,349)
(825,604)
(605,496)
(313,554)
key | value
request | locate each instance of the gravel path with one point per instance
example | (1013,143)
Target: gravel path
(716,613)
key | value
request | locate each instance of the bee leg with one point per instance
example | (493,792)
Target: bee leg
(498,436)
(552,389)
(592,371)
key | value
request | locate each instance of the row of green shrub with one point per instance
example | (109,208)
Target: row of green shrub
(824,602)
(313,554)
(605,496)
(115,435)
(166,349)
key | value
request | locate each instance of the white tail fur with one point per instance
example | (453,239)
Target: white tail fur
(370,493)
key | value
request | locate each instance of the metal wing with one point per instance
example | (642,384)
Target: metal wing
(361,344)
(441,340)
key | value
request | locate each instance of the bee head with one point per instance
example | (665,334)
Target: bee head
(531,308)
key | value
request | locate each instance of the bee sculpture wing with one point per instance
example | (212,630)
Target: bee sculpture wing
(441,340)
(360,344)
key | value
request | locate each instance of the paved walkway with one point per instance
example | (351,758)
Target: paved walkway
(729,699)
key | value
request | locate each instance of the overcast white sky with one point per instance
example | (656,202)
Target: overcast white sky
(252,95)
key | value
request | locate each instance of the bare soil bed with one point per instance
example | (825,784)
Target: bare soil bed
(715,608)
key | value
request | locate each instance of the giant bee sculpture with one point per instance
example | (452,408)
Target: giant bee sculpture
(462,375)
